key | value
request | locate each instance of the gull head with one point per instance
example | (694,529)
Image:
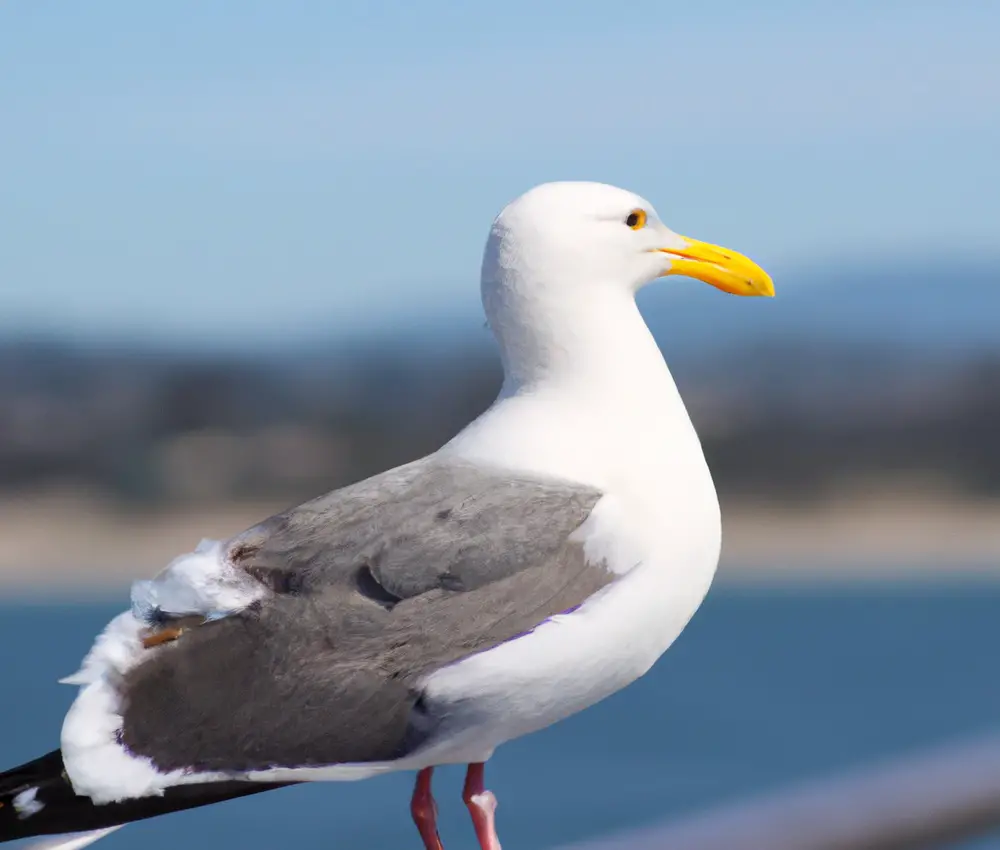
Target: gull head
(561,236)
(563,263)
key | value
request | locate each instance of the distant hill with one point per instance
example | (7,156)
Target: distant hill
(883,376)
(924,310)
(929,309)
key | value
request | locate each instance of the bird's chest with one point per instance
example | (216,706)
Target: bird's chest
(658,527)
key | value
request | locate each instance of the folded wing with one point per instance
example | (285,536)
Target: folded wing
(358,595)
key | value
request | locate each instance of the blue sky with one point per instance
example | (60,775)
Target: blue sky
(209,171)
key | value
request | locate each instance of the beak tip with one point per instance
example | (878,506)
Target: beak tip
(765,287)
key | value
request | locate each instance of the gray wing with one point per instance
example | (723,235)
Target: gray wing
(372,587)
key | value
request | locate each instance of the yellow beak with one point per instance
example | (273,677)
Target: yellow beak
(724,269)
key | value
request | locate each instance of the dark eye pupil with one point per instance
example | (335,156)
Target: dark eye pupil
(632,220)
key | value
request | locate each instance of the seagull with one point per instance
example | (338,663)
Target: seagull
(541,560)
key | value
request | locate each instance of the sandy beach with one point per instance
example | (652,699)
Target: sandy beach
(70,544)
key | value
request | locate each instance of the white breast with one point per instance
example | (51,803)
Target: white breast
(573,660)
(658,524)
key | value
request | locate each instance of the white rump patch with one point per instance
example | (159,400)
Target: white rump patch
(98,766)
(27,804)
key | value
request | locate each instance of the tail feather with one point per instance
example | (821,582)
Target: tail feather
(38,799)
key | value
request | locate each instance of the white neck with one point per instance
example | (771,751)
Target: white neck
(588,394)
(601,338)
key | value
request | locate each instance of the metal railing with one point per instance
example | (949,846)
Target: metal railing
(923,801)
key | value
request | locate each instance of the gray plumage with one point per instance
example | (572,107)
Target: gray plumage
(374,586)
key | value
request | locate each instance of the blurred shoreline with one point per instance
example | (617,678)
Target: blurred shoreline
(78,545)
(835,459)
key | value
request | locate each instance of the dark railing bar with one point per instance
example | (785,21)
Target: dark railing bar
(923,801)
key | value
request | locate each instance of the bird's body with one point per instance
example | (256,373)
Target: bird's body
(540,561)
(656,525)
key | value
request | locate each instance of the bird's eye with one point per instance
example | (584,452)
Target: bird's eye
(636,219)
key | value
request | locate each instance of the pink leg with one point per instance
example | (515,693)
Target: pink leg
(482,806)
(424,810)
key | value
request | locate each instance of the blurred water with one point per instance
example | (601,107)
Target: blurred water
(765,687)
